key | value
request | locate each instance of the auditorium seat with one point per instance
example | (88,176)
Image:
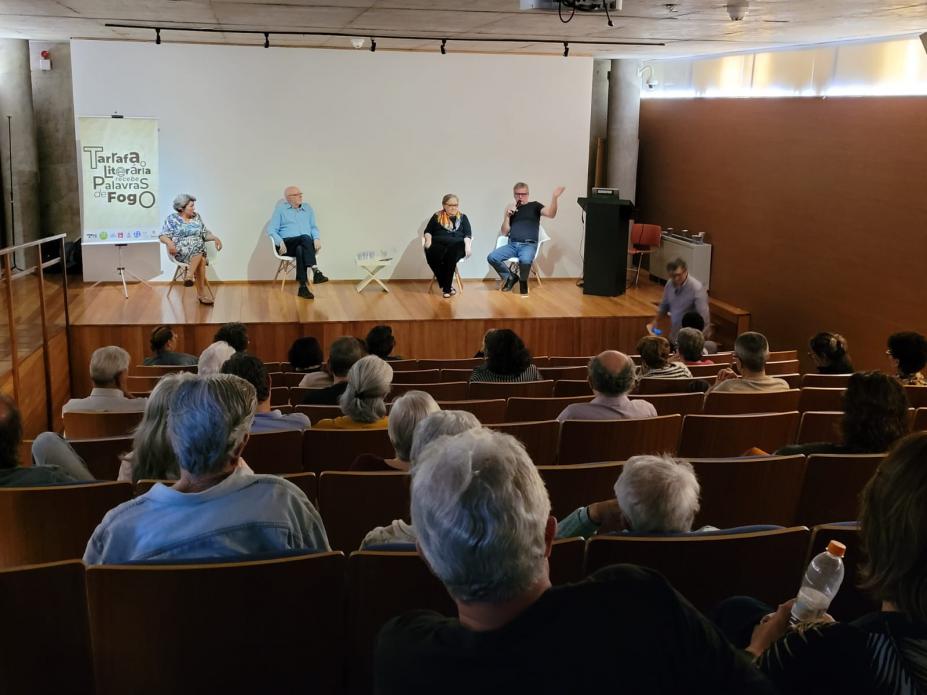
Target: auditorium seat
(379,586)
(566,388)
(297,394)
(672,403)
(272,367)
(468,363)
(851,602)
(568,361)
(920,420)
(716,436)
(462,374)
(319,412)
(487,412)
(519,409)
(279,395)
(275,452)
(793,380)
(96,425)
(917,396)
(405,365)
(443,391)
(351,504)
(53,522)
(775,368)
(820,426)
(825,381)
(579,485)
(292,380)
(587,441)
(701,370)
(159,370)
(749,490)
(571,373)
(251,626)
(709,567)
(419,376)
(335,450)
(832,484)
(540,438)
(649,385)
(817,398)
(307,482)
(45,641)
(737,403)
(142,384)
(523,389)
(782,355)
(102,454)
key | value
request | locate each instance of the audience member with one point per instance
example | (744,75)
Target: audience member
(14,475)
(216,509)
(612,376)
(751,351)
(305,356)
(829,353)
(691,346)
(109,368)
(655,364)
(252,370)
(881,652)
(908,352)
(653,494)
(235,334)
(213,357)
(342,355)
(408,410)
(438,424)
(363,401)
(507,359)
(380,342)
(163,341)
(693,319)
(483,520)
(875,415)
(682,294)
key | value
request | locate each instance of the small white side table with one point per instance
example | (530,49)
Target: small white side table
(372,268)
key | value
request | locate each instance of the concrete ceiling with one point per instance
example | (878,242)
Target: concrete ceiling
(686,27)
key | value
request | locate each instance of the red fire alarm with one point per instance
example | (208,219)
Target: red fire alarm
(45,60)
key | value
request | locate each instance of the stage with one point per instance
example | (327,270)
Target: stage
(555,319)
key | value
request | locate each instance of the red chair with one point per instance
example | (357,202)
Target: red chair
(644,239)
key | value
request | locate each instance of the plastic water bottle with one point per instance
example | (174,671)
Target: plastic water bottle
(821,582)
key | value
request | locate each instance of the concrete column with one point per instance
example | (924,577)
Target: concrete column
(53,97)
(16,101)
(598,122)
(624,110)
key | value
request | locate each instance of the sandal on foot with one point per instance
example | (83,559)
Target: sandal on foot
(206,300)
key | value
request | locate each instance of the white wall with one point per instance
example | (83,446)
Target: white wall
(373,139)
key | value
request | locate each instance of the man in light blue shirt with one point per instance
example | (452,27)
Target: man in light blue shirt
(293,229)
(680,296)
(216,509)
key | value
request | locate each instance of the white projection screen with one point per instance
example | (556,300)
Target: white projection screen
(373,139)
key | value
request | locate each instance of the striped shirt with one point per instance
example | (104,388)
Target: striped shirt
(672,370)
(482,373)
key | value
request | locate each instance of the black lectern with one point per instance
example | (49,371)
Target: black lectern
(605,262)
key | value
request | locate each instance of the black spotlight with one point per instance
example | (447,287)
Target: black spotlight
(266,40)
(566,49)
(158,37)
(443,46)
(373,44)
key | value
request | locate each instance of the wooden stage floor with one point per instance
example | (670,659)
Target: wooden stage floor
(555,319)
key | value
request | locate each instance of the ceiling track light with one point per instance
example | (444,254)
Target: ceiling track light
(157,37)
(266,39)
(373,45)
(443,46)
(566,49)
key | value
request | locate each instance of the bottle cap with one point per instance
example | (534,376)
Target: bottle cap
(836,548)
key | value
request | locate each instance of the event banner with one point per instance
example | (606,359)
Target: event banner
(119,169)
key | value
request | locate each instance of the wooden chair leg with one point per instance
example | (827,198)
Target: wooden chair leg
(459,281)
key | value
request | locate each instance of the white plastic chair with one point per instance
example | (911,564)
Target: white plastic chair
(287,263)
(181,270)
(456,273)
(512,262)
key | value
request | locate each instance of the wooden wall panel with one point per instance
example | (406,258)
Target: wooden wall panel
(815,208)
(60,376)
(32,393)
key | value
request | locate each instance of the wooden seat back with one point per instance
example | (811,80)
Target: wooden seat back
(520,409)
(832,485)
(587,441)
(102,455)
(96,425)
(736,403)
(354,503)
(815,398)
(486,411)
(673,403)
(654,385)
(539,438)
(419,376)
(579,485)
(825,381)
(275,452)
(820,426)
(717,436)
(335,450)
(442,391)
(566,388)
(523,389)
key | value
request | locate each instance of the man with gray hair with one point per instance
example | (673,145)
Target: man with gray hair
(482,516)
(109,367)
(342,355)
(653,494)
(216,509)
(293,229)
(751,352)
(612,375)
(681,295)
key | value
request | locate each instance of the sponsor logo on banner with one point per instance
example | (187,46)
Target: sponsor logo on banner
(119,167)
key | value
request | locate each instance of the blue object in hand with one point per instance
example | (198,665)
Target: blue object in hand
(657,331)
